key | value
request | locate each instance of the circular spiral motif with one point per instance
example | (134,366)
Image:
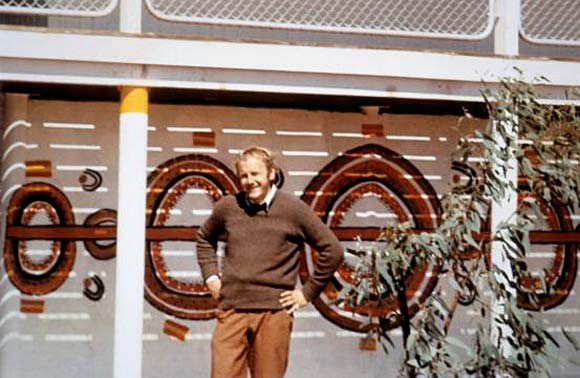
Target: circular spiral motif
(101,250)
(29,203)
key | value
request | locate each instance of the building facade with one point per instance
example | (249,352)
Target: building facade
(121,120)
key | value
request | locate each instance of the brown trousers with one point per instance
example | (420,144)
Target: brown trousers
(254,340)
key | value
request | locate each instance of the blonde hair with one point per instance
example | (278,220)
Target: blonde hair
(258,152)
(265,155)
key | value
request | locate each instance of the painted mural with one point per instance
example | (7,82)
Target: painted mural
(58,212)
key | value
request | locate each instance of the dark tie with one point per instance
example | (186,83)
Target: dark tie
(257,208)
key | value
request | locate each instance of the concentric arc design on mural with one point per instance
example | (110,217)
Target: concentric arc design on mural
(397,185)
(32,201)
(166,185)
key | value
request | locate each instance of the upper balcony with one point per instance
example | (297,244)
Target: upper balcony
(428,49)
(546,28)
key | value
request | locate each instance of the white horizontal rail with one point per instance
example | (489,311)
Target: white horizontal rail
(69,58)
(262,57)
(546,40)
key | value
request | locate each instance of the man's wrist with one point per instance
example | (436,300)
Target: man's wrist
(211,278)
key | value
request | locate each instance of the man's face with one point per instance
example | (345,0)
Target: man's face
(255,178)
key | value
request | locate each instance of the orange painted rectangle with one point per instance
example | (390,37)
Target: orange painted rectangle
(204,138)
(32,306)
(175,329)
(367,343)
(373,129)
(38,168)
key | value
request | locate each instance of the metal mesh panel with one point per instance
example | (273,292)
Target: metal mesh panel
(555,22)
(88,8)
(462,19)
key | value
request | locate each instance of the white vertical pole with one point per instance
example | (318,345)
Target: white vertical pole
(130,258)
(506,42)
(130,16)
(503,211)
(14,154)
(507,28)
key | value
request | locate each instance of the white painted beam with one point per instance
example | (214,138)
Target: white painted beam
(276,57)
(155,62)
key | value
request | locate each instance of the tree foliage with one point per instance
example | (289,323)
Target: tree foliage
(545,141)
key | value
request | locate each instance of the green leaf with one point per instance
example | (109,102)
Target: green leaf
(550,337)
(543,363)
(469,239)
(480,210)
(526,244)
(531,136)
(537,210)
(440,306)
(458,343)
(571,339)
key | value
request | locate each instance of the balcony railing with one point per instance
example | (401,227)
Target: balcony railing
(79,8)
(553,22)
(457,19)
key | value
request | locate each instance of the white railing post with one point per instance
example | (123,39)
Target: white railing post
(130,16)
(507,28)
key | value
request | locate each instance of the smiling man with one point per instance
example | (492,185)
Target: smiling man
(265,229)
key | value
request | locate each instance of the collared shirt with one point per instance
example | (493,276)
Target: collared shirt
(268,199)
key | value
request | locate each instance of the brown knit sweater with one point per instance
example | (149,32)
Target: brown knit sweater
(262,250)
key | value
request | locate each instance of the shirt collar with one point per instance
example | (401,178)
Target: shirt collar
(268,199)
(270,196)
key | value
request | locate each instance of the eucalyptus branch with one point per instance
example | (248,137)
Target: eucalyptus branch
(547,147)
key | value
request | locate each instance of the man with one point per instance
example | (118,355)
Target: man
(256,291)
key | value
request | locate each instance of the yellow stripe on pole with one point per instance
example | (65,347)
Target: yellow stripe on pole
(134,100)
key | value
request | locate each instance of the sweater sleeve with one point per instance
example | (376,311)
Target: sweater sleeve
(207,240)
(330,252)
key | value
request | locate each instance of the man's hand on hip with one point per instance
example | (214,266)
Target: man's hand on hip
(215,287)
(293,300)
